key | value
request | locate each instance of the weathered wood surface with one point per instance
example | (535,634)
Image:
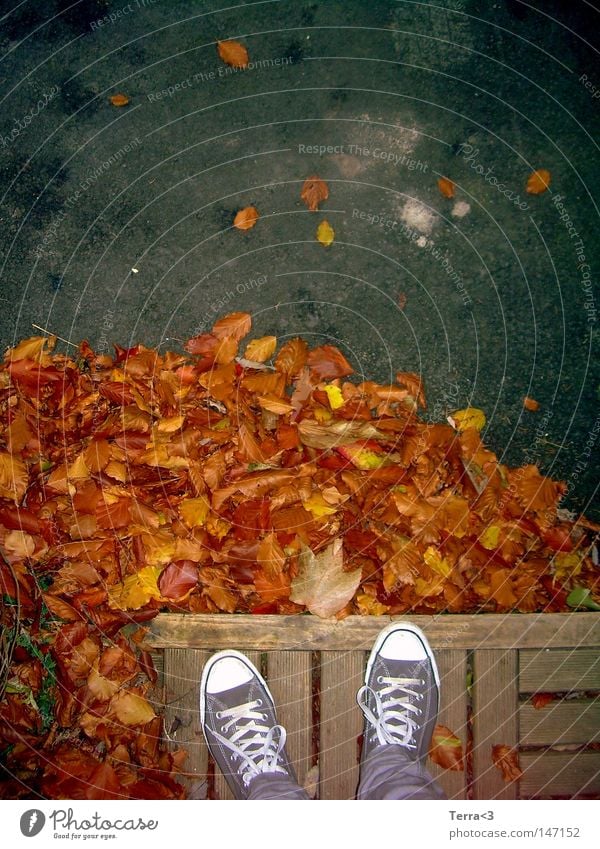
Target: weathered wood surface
(289,676)
(495,719)
(559,723)
(309,633)
(452,666)
(577,668)
(559,774)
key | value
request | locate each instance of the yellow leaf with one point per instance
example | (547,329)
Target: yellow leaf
(469,417)
(13,477)
(170,425)
(436,562)
(78,469)
(334,393)
(425,588)
(260,350)
(567,565)
(216,527)
(317,505)
(489,538)
(325,233)
(131,709)
(194,511)
(322,415)
(369,606)
(136,590)
(100,687)
(30,349)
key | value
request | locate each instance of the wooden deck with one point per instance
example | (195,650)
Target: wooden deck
(490,665)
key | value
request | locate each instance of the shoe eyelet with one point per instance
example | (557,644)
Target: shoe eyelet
(422,682)
(264,716)
(218,715)
(259,702)
(380,679)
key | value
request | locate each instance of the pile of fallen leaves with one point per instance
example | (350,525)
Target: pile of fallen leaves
(229,480)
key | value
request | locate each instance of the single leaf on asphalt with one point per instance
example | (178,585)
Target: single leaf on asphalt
(246,218)
(531,404)
(538,181)
(119,99)
(233,53)
(507,760)
(446,749)
(321,583)
(325,233)
(446,187)
(314,191)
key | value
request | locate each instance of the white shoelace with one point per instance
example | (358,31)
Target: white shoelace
(392,718)
(257,746)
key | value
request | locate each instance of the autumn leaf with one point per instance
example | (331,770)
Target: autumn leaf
(234,324)
(469,417)
(104,784)
(325,233)
(136,590)
(538,182)
(270,556)
(233,53)
(178,579)
(314,191)
(506,759)
(531,404)
(327,362)
(446,749)
(194,511)
(119,99)
(246,218)
(446,187)
(260,350)
(13,477)
(321,584)
(540,700)
(334,396)
(131,708)
(292,357)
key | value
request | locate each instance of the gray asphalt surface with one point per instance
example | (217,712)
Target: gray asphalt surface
(116,222)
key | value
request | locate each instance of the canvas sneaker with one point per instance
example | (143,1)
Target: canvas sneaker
(238,718)
(400,697)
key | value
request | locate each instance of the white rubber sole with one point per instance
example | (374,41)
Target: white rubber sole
(401,626)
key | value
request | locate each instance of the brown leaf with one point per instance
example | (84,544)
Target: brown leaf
(119,99)
(104,784)
(321,584)
(446,749)
(271,556)
(328,362)
(233,53)
(260,350)
(178,579)
(414,384)
(314,191)
(446,187)
(234,324)
(246,218)
(538,182)
(507,760)
(291,359)
(540,700)
(131,709)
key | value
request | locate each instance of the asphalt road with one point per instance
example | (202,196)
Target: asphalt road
(116,221)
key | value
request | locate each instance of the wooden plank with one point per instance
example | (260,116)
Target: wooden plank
(309,633)
(222,790)
(576,721)
(559,774)
(452,666)
(555,671)
(290,682)
(342,673)
(495,719)
(182,671)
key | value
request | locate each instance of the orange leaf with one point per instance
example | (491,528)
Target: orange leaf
(246,218)
(270,556)
(314,191)
(446,749)
(104,784)
(131,708)
(328,362)
(538,181)
(531,404)
(446,187)
(507,760)
(235,324)
(292,357)
(540,700)
(414,384)
(233,53)
(119,99)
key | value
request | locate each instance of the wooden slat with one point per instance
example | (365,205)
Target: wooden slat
(555,671)
(290,682)
(222,790)
(182,672)
(495,719)
(342,673)
(559,774)
(452,666)
(576,721)
(309,633)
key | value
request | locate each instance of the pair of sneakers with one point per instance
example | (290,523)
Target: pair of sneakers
(399,701)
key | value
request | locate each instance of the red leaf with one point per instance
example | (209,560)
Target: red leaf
(540,700)
(104,784)
(178,579)
(446,749)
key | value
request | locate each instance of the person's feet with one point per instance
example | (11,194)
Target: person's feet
(239,723)
(401,693)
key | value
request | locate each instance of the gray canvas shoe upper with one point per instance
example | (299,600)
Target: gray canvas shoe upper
(401,693)
(239,722)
